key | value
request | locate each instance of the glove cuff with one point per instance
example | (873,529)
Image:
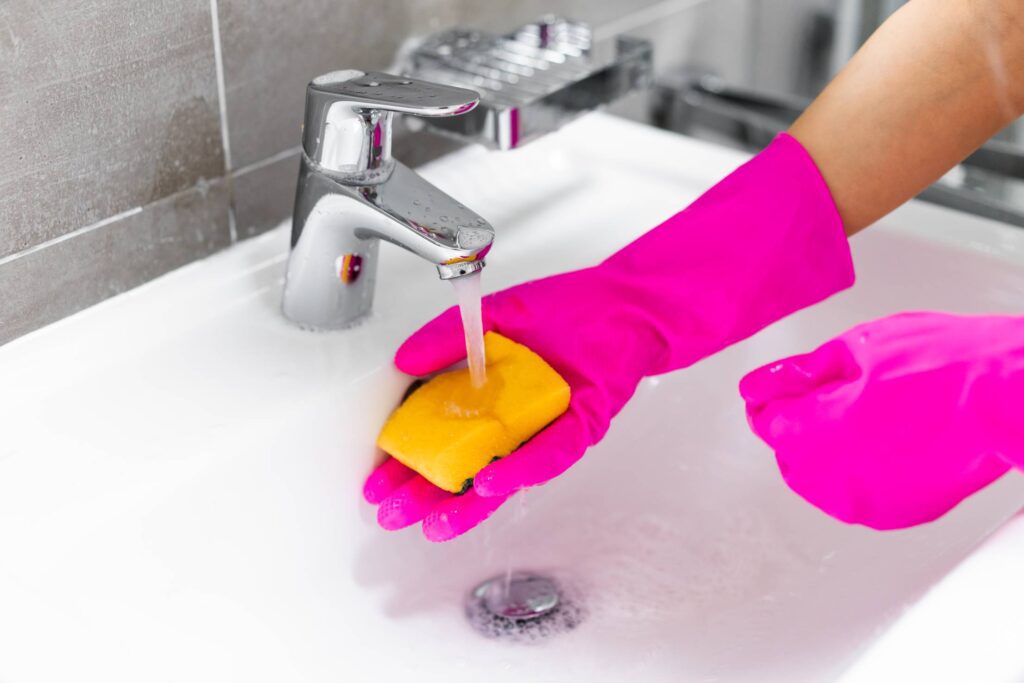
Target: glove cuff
(764,242)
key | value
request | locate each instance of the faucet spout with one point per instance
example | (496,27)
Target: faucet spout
(429,223)
(336,235)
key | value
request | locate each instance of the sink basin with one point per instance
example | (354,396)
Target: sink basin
(180,468)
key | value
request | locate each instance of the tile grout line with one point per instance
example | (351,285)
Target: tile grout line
(70,235)
(218,59)
(128,213)
(273,158)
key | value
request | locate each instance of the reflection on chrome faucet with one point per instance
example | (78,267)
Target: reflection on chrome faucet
(351,194)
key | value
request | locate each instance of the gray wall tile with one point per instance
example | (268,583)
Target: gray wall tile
(419,147)
(42,286)
(272,49)
(263,196)
(104,106)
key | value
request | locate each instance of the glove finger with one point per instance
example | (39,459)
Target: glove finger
(545,456)
(436,345)
(459,514)
(385,480)
(410,503)
(797,376)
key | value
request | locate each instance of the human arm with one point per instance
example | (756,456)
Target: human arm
(938,79)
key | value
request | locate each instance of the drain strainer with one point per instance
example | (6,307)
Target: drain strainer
(522,607)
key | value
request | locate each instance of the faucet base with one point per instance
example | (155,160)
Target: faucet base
(330,280)
(305,327)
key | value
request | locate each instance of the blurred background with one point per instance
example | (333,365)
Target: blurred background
(140,136)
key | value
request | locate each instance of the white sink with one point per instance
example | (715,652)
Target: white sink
(180,467)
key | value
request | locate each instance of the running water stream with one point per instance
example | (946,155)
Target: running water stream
(467,292)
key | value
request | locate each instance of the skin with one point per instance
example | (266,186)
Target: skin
(938,79)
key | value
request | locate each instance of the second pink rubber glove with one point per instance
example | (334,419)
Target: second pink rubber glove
(894,422)
(764,242)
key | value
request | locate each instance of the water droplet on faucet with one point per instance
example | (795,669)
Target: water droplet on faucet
(473,238)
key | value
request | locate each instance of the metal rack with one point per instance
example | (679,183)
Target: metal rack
(531,81)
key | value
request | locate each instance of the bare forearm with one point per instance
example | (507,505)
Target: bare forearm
(936,81)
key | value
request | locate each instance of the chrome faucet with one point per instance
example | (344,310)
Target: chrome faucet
(351,194)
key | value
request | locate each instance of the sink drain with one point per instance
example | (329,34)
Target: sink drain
(522,607)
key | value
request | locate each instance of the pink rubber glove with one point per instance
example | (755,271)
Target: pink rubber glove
(896,421)
(764,242)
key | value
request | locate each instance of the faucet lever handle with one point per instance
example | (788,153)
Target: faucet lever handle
(347,129)
(386,92)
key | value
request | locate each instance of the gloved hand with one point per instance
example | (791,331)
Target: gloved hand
(764,242)
(894,422)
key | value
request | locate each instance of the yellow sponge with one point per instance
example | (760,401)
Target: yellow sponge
(448,431)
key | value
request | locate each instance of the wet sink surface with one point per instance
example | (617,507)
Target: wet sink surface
(180,473)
